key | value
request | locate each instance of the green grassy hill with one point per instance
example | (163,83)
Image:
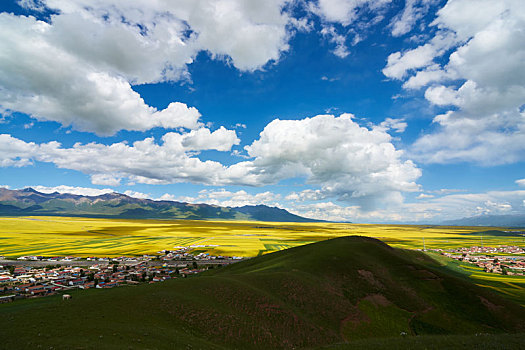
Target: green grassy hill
(352,290)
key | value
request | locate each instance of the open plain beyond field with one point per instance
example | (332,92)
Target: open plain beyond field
(62,236)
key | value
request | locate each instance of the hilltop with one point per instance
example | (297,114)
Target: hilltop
(116,205)
(350,289)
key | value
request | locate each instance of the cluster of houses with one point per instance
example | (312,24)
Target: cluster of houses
(180,253)
(507,260)
(23,280)
(183,253)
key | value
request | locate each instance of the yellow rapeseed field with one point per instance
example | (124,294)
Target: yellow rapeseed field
(61,236)
(66,236)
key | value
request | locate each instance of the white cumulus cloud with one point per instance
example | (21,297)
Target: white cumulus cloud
(341,50)
(474,66)
(203,139)
(414,10)
(144,161)
(344,160)
(79,67)
(348,161)
(82,191)
(345,11)
(306,195)
(426,210)
(48,82)
(105,179)
(239,198)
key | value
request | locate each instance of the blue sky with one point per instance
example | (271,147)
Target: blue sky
(363,111)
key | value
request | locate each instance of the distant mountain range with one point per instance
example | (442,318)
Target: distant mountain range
(489,220)
(116,205)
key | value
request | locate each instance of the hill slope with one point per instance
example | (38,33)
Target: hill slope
(331,292)
(116,205)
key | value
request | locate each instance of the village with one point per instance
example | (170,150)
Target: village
(37,276)
(505,260)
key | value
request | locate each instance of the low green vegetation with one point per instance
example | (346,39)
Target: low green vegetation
(349,290)
(511,287)
(442,342)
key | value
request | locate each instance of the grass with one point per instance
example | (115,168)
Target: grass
(441,342)
(115,237)
(512,287)
(351,290)
(385,320)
